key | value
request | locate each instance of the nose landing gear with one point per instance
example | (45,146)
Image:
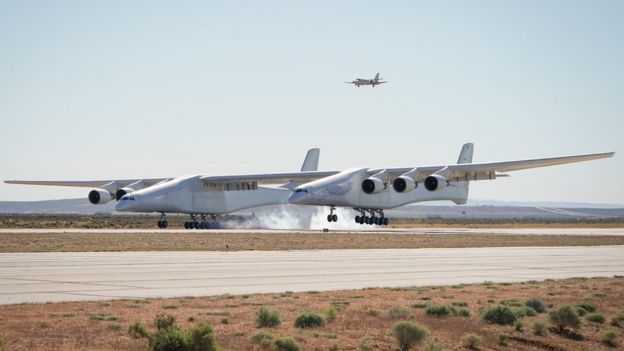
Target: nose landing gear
(162,222)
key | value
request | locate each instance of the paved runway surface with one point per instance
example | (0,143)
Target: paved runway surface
(39,277)
(369,230)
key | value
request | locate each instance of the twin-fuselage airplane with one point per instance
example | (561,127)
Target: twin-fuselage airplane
(367,190)
(375,81)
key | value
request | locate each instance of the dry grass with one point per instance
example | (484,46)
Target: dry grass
(68,326)
(210,241)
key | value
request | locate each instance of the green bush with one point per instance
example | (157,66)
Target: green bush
(398,312)
(309,320)
(581,311)
(471,341)
(330,314)
(511,303)
(500,314)
(266,318)
(285,344)
(539,327)
(596,318)
(164,321)
(524,311)
(519,326)
(617,320)
(138,330)
(365,344)
(258,337)
(463,312)
(564,317)
(536,304)
(438,310)
(372,312)
(168,339)
(2,343)
(608,338)
(201,338)
(433,346)
(408,334)
(589,307)
(502,338)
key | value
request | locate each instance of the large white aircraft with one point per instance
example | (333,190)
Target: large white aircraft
(375,81)
(371,190)
(201,196)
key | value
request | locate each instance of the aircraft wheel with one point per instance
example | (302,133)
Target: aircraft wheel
(202,225)
(186,226)
(159,224)
(357,219)
(335,218)
(386,221)
(329,218)
(196,225)
(164,223)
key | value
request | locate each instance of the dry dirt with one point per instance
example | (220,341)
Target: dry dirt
(361,313)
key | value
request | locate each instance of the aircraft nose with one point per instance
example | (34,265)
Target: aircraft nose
(126,203)
(298,196)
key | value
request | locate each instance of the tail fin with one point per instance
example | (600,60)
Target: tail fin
(311,160)
(465,156)
(377,76)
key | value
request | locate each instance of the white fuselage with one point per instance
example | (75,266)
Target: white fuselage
(190,195)
(344,189)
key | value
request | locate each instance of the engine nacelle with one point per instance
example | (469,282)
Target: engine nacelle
(121,192)
(403,184)
(100,196)
(372,185)
(435,182)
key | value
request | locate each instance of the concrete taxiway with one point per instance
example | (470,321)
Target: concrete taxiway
(41,277)
(360,230)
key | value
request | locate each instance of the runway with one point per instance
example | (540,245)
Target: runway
(369,230)
(43,277)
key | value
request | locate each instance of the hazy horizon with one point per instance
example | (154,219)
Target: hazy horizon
(156,89)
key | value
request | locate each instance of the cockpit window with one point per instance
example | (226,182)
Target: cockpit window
(125,198)
(301,190)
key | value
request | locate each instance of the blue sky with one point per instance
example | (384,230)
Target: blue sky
(98,90)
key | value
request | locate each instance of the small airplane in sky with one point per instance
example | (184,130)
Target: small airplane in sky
(375,81)
(372,190)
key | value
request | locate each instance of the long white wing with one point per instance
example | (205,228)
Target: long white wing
(269,178)
(476,171)
(86,183)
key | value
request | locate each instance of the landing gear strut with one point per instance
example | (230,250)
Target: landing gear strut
(202,222)
(331,217)
(373,218)
(162,222)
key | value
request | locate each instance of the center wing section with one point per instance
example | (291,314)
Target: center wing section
(268,178)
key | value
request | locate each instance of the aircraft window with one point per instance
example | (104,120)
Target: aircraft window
(301,190)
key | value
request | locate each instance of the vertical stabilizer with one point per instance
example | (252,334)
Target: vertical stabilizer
(465,156)
(311,160)
(377,76)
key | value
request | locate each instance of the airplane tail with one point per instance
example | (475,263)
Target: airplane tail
(311,160)
(465,156)
(377,76)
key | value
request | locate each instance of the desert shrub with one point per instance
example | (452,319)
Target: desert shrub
(168,339)
(438,310)
(259,336)
(524,311)
(596,318)
(102,316)
(536,304)
(419,305)
(408,334)
(285,344)
(398,312)
(164,321)
(608,338)
(581,311)
(372,312)
(519,326)
(471,341)
(617,320)
(170,307)
(201,338)
(330,314)
(500,314)
(502,338)
(511,302)
(463,312)
(459,303)
(2,343)
(114,327)
(138,330)
(266,317)
(365,344)
(564,317)
(589,307)
(539,327)
(309,320)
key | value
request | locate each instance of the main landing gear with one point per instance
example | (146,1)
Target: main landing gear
(331,217)
(202,223)
(372,219)
(162,222)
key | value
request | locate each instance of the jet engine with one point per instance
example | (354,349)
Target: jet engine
(435,182)
(403,184)
(100,196)
(372,185)
(121,192)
